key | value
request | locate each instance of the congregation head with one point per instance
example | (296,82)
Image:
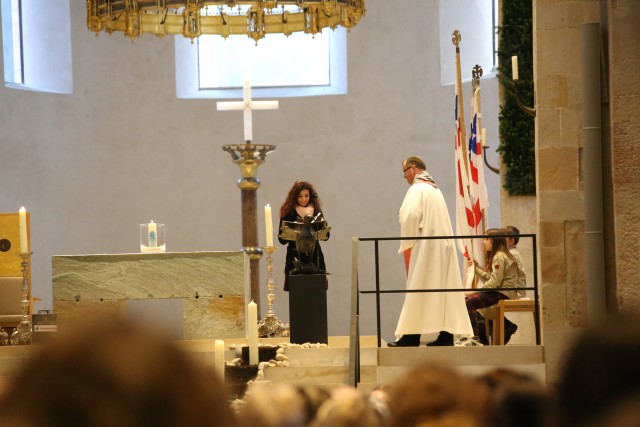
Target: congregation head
(114,374)
(281,405)
(599,384)
(436,394)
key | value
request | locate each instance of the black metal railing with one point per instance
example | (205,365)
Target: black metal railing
(356,292)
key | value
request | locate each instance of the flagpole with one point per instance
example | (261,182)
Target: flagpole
(476,73)
(463,136)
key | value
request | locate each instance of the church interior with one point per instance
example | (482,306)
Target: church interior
(123,143)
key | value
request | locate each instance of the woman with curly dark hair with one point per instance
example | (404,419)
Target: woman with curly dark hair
(302,200)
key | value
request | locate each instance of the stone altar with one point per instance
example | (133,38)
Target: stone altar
(213,287)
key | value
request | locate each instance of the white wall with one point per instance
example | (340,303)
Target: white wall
(92,166)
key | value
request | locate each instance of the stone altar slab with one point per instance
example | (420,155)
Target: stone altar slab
(213,285)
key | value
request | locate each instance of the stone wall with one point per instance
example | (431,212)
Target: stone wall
(624,87)
(559,172)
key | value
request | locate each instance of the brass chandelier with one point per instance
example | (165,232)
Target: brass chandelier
(193,18)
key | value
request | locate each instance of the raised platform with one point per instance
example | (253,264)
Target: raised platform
(329,366)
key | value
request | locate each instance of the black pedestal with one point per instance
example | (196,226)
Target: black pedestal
(308,308)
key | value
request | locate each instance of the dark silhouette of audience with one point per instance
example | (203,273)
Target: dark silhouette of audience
(435,394)
(114,374)
(600,380)
(520,399)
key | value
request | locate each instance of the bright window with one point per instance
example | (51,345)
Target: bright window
(279,66)
(36,38)
(476,23)
(12,41)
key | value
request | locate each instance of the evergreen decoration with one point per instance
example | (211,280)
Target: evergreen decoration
(517,128)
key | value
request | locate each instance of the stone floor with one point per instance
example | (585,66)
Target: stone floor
(329,366)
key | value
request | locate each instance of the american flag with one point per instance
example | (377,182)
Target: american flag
(468,223)
(465,220)
(477,185)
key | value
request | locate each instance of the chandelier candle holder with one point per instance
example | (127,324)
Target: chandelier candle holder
(271,325)
(23,334)
(191,18)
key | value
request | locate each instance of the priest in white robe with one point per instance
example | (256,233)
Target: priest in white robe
(431,264)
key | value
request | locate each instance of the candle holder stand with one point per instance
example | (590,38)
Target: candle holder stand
(516,85)
(271,325)
(23,334)
(249,157)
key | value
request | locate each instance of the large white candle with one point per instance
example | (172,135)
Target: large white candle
(152,232)
(246,97)
(514,67)
(484,137)
(246,88)
(252,333)
(219,358)
(268,222)
(24,245)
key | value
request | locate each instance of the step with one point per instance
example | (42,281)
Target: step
(337,352)
(528,359)
(318,374)
(330,365)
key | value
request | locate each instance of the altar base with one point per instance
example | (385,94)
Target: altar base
(308,308)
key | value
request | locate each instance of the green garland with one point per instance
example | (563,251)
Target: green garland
(517,128)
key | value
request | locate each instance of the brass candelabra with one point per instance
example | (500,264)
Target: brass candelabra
(271,325)
(23,334)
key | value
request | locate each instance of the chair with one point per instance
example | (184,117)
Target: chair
(10,301)
(505,306)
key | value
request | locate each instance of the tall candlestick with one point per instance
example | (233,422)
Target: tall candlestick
(268,225)
(514,67)
(219,358)
(24,245)
(252,333)
(152,230)
(484,137)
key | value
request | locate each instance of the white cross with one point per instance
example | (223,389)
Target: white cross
(247,105)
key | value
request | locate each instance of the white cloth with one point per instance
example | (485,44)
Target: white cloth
(303,211)
(433,264)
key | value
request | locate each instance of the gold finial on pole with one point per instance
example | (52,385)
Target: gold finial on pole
(456,38)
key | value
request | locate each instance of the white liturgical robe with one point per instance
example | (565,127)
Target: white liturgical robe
(433,264)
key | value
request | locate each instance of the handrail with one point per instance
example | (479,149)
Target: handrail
(354,359)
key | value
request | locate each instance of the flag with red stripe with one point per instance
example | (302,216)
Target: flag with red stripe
(479,199)
(465,219)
